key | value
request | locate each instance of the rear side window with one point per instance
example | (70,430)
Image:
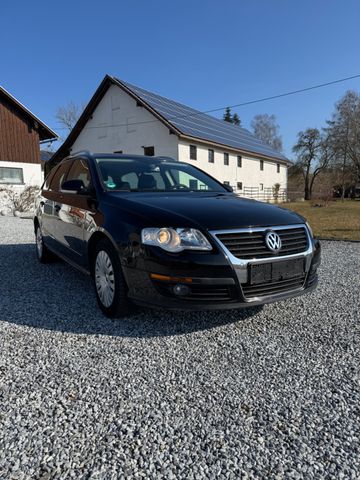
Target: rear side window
(60,176)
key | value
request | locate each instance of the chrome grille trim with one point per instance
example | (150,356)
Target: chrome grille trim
(251,244)
(241,265)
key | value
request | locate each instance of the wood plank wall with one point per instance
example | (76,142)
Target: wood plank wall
(19,140)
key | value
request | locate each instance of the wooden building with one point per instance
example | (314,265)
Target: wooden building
(20,135)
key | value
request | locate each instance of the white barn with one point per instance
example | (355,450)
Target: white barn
(127,119)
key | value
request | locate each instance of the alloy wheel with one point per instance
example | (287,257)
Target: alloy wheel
(39,242)
(104,278)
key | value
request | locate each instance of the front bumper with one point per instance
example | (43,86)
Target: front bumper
(218,281)
(163,302)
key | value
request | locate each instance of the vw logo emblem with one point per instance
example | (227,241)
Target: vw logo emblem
(273,241)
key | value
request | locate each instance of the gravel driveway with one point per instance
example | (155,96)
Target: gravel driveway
(271,393)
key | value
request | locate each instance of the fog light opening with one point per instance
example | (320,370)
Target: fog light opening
(181,290)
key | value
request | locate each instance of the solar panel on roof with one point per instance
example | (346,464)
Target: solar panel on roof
(200,125)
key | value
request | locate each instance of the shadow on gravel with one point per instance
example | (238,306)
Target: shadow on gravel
(57,297)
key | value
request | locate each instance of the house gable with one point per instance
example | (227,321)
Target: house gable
(20,131)
(118,123)
(191,125)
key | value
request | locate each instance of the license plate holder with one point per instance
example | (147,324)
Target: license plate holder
(275,271)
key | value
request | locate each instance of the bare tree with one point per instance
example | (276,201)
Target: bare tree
(68,115)
(338,140)
(343,132)
(276,191)
(266,129)
(314,154)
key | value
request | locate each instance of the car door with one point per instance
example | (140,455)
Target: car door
(73,211)
(50,201)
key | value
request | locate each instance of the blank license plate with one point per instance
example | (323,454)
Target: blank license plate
(272,272)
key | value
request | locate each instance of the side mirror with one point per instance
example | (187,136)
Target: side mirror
(73,186)
(227,187)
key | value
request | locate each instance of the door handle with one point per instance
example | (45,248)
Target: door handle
(57,208)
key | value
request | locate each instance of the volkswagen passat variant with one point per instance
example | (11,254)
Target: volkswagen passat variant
(162,233)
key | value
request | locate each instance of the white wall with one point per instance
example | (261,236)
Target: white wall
(249,174)
(118,108)
(113,131)
(31,172)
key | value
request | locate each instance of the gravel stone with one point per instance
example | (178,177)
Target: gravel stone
(263,393)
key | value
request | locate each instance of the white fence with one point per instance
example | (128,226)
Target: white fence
(267,194)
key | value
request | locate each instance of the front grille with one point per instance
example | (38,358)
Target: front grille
(272,288)
(209,293)
(247,244)
(200,293)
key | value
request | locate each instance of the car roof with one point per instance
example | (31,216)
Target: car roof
(140,158)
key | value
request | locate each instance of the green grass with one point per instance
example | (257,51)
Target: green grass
(334,219)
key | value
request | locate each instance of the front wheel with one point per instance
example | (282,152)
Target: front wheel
(42,252)
(110,286)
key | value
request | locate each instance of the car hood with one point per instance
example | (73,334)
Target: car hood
(202,210)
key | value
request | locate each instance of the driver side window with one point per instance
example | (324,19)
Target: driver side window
(59,176)
(187,180)
(80,171)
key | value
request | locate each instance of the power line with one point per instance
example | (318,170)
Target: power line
(236,105)
(293,92)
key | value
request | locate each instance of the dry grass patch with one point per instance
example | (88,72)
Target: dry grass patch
(335,219)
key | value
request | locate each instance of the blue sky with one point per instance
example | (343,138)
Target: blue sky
(204,53)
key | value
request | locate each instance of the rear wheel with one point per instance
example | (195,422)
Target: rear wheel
(42,252)
(110,286)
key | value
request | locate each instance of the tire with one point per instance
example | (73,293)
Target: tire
(109,283)
(42,252)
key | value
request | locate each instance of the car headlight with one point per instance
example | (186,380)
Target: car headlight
(310,229)
(175,239)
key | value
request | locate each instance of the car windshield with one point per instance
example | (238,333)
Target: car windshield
(143,175)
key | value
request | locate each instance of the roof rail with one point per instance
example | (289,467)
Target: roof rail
(80,152)
(164,157)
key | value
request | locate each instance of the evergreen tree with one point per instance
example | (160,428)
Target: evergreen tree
(236,120)
(227,115)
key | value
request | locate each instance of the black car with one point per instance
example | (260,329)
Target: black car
(162,233)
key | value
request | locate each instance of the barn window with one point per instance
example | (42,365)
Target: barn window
(226,159)
(11,175)
(211,155)
(239,161)
(239,185)
(278,167)
(149,151)
(193,152)
(261,164)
